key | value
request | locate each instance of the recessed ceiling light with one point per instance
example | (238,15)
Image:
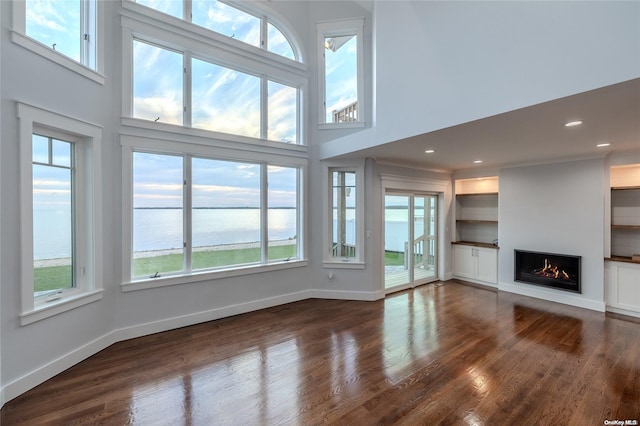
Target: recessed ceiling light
(430,151)
(573,123)
(602,145)
(477,161)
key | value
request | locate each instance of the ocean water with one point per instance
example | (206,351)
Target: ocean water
(160,229)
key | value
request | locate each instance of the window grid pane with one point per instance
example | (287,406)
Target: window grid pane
(157,84)
(170,7)
(282,113)
(277,43)
(283,213)
(55,24)
(53,217)
(227,20)
(226,213)
(225,100)
(158,233)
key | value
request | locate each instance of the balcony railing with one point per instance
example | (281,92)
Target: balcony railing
(344,250)
(347,114)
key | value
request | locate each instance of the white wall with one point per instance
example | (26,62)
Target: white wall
(556,208)
(440,64)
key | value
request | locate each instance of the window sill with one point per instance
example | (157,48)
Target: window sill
(57,57)
(343,264)
(50,309)
(210,137)
(335,126)
(208,275)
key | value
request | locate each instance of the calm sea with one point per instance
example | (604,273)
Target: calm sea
(159,229)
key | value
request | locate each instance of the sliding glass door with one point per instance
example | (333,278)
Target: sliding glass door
(410,248)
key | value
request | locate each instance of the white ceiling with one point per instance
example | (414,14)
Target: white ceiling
(529,135)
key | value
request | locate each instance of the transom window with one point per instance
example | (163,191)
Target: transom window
(340,58)
(230,21)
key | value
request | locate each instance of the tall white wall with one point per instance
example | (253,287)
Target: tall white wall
(555,208)
(443,63)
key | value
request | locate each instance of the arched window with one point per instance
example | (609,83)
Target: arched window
(244,25)
(181,74)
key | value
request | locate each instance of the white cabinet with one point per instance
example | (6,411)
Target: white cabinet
(476,264)
(622,283)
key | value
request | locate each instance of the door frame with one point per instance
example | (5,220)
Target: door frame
(441,188)
(409,253)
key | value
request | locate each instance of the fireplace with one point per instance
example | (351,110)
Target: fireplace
(559,271)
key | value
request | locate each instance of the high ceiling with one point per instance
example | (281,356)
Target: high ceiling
(536,134)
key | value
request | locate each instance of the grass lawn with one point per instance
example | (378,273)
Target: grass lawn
(393,258)
(55,277)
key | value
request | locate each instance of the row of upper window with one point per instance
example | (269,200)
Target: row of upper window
(179,85)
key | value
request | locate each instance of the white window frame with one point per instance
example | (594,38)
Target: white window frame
(335,29)
(92,53)
(87,139)
(171,33)
(185,145)
(329,260)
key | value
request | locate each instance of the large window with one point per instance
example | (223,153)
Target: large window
(341,71)
(63,31)
(188,81)
(194,214)
(60,181)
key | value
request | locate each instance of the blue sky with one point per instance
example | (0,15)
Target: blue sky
(55,22)
(215,183)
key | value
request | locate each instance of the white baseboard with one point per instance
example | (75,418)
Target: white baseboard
(47,371)
(347,295)
(623,311)
(210,315)
(553,296)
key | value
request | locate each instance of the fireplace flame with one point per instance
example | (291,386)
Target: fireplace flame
(551,271)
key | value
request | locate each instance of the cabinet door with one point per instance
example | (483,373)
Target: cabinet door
(464,261)
(487,265)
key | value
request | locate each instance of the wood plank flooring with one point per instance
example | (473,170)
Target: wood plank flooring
(444,353)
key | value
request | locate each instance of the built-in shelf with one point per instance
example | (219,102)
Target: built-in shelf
(625,213)
(624,188)
(625,259)
(478,221)
(476,194)
(477,211)
(475,244)
(625,227)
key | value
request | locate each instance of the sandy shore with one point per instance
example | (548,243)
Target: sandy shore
(153,253)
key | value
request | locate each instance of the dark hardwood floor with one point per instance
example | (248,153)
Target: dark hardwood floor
(444,353)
